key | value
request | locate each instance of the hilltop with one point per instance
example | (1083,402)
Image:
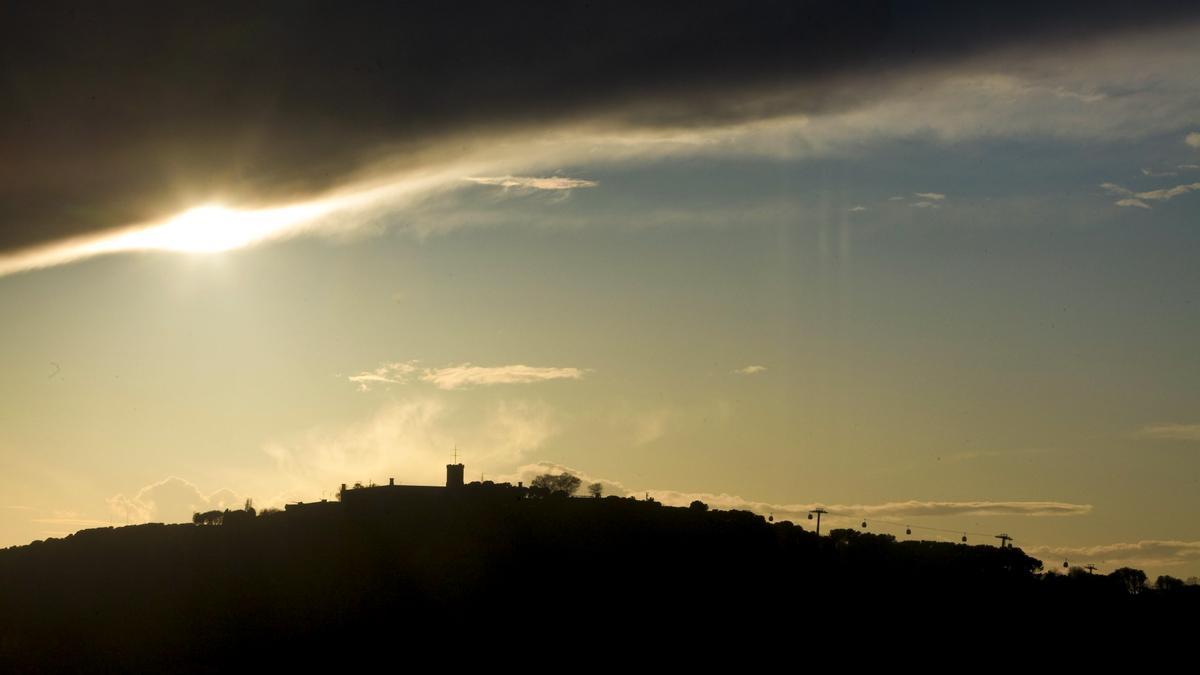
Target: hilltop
(406,568)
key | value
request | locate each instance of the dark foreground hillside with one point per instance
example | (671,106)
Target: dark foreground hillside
(336,585)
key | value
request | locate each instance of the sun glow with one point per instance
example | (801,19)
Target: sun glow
(204,229)
(212,228)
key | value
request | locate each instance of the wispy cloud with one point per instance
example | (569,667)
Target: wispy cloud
(411,440)
(512,429)
(857,208)
(1174,432)
(407,438)
(1145,553)
(533,182)
(927,200)
(751,370)
(1152,173)
(388,373)
(1130,201)
(972,508)
(641,426)
(906,509)
(1139,199)
(461,376)
(466,375)
(1168,193)
(1193,139)
(641,423)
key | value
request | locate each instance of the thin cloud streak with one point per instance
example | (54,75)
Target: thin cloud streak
(1168,193)
(1174,432)
(1132,202)
(397,372)
(1145,553)
(1138,199)
(533,183)
(906,509)
(462,376)
(466,375)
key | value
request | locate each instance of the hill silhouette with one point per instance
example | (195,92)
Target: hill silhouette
(408,570)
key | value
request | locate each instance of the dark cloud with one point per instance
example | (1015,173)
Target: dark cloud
(120,112)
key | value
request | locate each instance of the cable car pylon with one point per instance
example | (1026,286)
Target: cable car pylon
(819,512)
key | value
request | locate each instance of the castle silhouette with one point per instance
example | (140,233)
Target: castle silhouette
(359,497)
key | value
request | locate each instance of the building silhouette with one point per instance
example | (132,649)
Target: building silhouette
(371,497)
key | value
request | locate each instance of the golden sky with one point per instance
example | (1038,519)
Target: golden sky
(955,291)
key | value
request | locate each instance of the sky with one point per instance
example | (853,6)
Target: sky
(925,265)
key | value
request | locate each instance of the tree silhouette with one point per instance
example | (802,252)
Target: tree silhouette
(596,490)
(1168,583)
(1132,580)
(560,484)
(208,518)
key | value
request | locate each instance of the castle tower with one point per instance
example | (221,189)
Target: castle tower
(454,475)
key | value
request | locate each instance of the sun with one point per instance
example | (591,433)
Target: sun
(206,229)
(212,228)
